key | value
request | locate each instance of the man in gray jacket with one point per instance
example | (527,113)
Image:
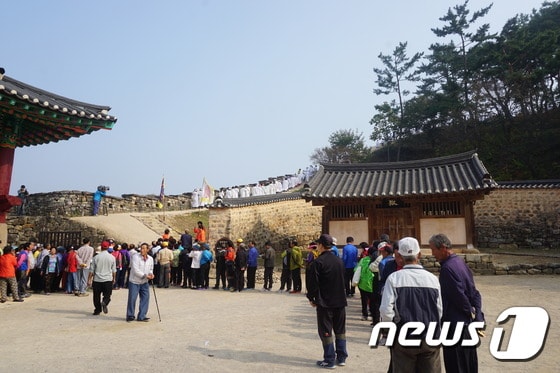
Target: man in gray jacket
(102,278)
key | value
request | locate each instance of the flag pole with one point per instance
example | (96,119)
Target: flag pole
(162,195)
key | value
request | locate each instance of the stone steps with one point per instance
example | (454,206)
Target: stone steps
(155,223)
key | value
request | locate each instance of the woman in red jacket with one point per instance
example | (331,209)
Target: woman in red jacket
(8,265)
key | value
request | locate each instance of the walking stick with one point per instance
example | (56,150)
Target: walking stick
(155,298)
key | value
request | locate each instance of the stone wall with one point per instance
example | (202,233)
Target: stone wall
(76,203)
(273,221)
(480,264)
(519,219)
(23,228)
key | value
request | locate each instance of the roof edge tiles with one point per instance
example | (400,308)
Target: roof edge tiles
(38,96)
(255,200)
(530,184)
(453,174)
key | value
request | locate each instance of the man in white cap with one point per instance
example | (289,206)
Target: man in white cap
(412,294)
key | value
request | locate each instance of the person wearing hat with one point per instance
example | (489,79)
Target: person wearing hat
(164,258)
(327,293)
(412,295)
(71,271)
(102,277)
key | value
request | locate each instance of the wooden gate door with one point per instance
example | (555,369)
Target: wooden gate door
(395,222)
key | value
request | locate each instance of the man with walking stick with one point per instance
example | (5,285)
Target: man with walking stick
(141,271)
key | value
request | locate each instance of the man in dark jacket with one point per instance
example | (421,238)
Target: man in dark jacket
(240,267)
(461,303)
(326,292)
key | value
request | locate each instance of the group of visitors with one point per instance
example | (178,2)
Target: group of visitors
(393,285)
(397,289)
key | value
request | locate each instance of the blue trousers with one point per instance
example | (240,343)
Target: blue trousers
(134,290)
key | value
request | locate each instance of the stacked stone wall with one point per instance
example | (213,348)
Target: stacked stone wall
(275,222)
(519,219)
(23,228)
(76,203)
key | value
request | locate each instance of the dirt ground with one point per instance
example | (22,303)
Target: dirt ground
(533,257)
(218,331)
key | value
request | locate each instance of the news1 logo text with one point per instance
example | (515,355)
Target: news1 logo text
(526,340)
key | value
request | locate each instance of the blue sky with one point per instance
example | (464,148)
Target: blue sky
(233,91)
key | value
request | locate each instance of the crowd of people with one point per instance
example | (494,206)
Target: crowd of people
(271,186)
(392,284)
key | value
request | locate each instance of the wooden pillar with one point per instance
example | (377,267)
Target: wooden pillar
(6,166)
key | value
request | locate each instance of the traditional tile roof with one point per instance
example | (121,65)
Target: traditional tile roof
(32,116)
(529,184)
(435,176)
(255,200)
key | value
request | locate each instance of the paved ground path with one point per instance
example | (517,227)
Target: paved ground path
(128,227)
(218,331)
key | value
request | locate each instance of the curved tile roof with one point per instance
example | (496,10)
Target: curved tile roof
(255,200)
(34,116)
(435,176)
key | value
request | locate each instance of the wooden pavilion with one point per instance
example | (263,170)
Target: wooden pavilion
(32,116)
(413,198)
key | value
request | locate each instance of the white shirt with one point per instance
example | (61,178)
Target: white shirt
(195,255)
(140,268)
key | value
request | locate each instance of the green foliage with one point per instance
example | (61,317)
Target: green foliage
(499,94)
(346,146)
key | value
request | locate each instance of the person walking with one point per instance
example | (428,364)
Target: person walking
(326,292)
(102,277)
(461,303)
(350,259)
(141,271)
(412,295)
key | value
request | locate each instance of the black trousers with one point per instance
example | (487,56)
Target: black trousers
(348,274)
(230,271)
(296,279)
(460,359)
(251,274)
(286,279)
(220,272)
(367,300)
(205,272)
(268,271)
(331,320)
(105,288)
(239,279)
(187,276)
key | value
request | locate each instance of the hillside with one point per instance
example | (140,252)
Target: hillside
(525,150)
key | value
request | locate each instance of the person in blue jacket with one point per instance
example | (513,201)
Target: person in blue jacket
(97,196)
